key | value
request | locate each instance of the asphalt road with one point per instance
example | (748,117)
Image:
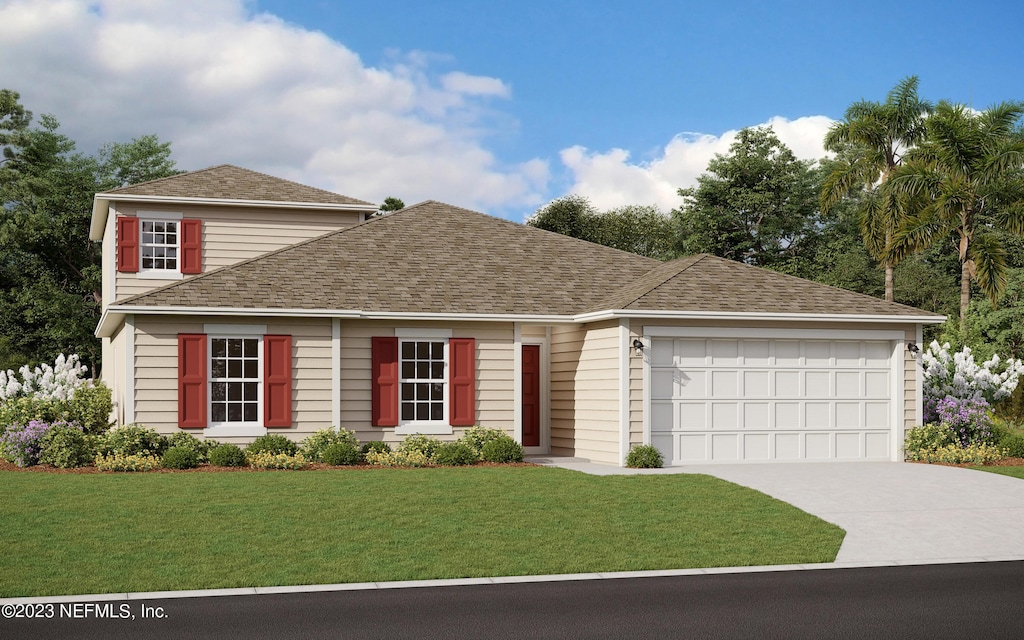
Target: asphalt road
(961,601)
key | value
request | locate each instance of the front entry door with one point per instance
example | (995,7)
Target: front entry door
(531,395)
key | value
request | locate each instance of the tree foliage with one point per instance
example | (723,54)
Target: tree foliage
(49,269)
(640,229)
(390,204)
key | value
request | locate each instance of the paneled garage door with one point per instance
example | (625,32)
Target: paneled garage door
(715,399)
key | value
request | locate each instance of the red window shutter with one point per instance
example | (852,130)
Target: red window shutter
(127,244)
(191,246)
(277,381)
(192,364)
(462,382)
(384,376)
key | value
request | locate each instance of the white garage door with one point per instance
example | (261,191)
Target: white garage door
(715,399)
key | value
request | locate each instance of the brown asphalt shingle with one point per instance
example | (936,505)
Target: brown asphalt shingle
(228,182)
(436,258)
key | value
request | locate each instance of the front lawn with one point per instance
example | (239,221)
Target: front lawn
(1006,470)
(98,533)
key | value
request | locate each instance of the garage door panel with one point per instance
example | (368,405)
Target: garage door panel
(720,399)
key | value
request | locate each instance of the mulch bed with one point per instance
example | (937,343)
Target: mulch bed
(206,468)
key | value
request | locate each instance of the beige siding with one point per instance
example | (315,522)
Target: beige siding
(114,370)
(233,234)
(495,401)
(636,388)
(566,347)
(534,331)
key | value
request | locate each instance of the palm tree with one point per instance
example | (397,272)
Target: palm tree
(968,177)
(871,140)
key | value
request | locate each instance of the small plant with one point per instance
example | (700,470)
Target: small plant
(420,443)
(188,441)
(20,444)
(926,439)
(399,458)
(180,457)
(644,456)
(1013,444)
(272,443)
(90,406)
(131,440)
(122,462)
(269,460)
(227,455)
(969,421)
(501,450)
(476,437)
(314,446)
(65,446)
(373,446)
(339,454)
(978,453)
(454,454)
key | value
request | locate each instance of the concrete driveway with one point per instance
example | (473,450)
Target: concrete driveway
(892,512)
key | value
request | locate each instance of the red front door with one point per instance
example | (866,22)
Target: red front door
(531,395)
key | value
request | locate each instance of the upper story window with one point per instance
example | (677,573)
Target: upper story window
(159,245)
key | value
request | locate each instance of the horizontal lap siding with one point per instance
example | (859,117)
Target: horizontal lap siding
(566,345)
(234,234)
(597,394)
(156,371)
(494,374)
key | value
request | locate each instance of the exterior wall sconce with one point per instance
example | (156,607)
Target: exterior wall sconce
(639,346)
(913,349)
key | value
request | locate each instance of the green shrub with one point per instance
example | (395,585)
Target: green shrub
(454,454)
(476,437)
(644,456)
(1013,444)
(24,410)
(977,453)
(373,446)
(200,447)
(179,458)
(313,447)
(503,449)
(122,462)
(131,440)
(91,407)
(272,443)
(65,447)
(269,460)
(922,440)
(420,444)
(227,455)
(340,453)
(398,458)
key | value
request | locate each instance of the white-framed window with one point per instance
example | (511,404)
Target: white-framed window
(236,380)
(423,381)
(160,244)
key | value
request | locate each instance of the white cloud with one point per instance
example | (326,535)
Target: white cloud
(226,85)
(611,180)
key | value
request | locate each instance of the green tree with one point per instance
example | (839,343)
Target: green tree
(758,204)
(966,183)
(871,138)
(639,229)
(571,215)
(390,204)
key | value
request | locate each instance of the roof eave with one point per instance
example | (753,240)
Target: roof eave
(611,314)
(100,209)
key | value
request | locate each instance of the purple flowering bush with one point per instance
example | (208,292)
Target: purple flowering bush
(968,420)
(20,443)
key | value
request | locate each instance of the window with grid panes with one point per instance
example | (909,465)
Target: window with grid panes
(159,245)
(234,379)
(422,380)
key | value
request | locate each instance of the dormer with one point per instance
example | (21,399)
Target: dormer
(159,232)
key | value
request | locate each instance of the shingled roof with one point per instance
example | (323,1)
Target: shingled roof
(228,182)
(436,258)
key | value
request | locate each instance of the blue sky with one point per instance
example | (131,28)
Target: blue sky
(495,106)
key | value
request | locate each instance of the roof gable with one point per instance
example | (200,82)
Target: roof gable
(228,182)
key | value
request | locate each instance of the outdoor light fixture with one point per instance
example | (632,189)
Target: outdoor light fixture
(913,348)
(639,346)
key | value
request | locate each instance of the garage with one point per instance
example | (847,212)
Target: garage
(735,395)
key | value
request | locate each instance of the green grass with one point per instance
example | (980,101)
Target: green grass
(1016,472)
(66,534)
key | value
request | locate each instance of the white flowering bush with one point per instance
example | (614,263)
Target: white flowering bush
(58,382)
(959,376)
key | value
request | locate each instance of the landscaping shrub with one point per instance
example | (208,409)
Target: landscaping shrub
(926,439)
(90,407)
(340,453)
(20,444)
(187,440)
(1013,444)
(131,440)
(227,455)
(977,453)
(400,458)
(476,437)
(374,446)
(123,462)
(65,446)
(421,444)
(969,421)
(272,443)
(454,454)
(180,457)
(314,446)
(644,456)
(503,449)
(270,460)
(23,410)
